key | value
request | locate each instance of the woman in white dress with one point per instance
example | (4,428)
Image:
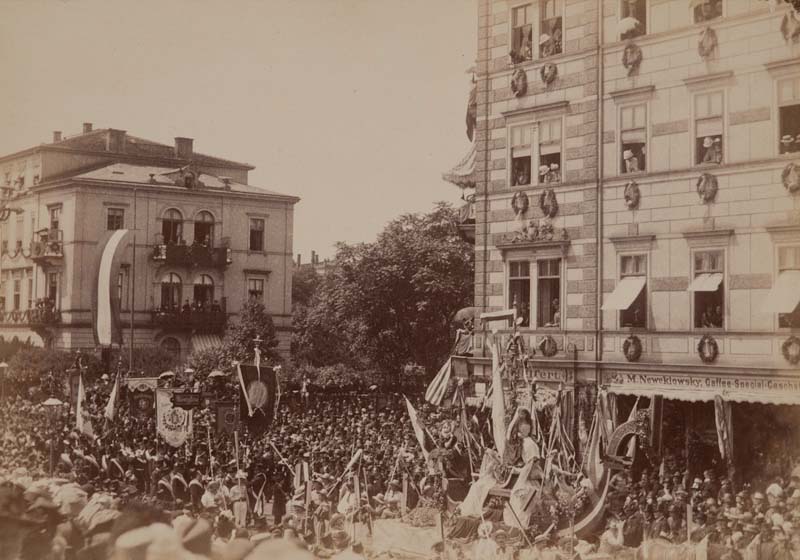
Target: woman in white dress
(529,473)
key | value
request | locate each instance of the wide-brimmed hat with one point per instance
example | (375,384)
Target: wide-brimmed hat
(708,142)
(787,139)
(627,154)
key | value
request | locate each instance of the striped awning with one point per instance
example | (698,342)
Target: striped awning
(463,174)
(205,341)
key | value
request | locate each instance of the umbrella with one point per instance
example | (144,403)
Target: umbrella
(188,370)
(627,24)
(466,313)
(216,373)
(167,374)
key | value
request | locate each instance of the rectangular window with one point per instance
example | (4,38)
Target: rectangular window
(521,155)
(55,216)
(633,138)
(633,19)
(789,259)
(255,288)
(17,293)
(52,288)
(635,316)
(708,125)
(550,28)
(548,293)
(30,292)
(789,115)
(522,33)
(4,238)
(707,10)
(709,289)
(115,219)
(256,234)
(20,230)
(550,151)
(519,289)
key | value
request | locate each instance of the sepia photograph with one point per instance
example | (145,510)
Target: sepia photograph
(400,279)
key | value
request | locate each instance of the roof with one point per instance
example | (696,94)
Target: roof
(95,141)
(165,177)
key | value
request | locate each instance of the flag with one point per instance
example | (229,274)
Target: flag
(722,417)
(112,400)
(498,403)
(419,431)
(259,386)
(438,387)
(106,321)
(82,421)
(173,423)
(631,418)
(226,417)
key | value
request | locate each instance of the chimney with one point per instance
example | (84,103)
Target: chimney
(87,127)
(56,136)
(184,147)
(313,257)
(299,259)
(115,141)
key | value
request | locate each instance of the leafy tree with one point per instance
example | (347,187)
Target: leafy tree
(254,321)
(388,303)
(304,285)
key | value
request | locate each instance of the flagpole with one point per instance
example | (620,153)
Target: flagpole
(132,284)
(210,455)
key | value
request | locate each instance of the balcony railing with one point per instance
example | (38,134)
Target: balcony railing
(466,219)
(40,317)
(48,246)
(190,320)
(192,255)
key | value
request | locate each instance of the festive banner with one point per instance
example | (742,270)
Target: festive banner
(259,390)
(173,424)
(107,330)
(226,417)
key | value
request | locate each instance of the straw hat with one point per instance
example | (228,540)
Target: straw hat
(708,142)
(627,154)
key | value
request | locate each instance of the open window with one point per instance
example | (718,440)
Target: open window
(522,33)
(171,292)
(204,229)
(706,10)
(789,115)
(633,19)
(256,234)
(708,126)
(708,287)
(548,293)
(550,151)
(633,138)
(255,289)
(551,32)
(115,219)
(630,295)
(172,227)
(521,155)
(203,291)
(519,289)
(784,297)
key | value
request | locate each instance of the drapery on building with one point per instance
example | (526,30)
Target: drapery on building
(205,242)
(661,137)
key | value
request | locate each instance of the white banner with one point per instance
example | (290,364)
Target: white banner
(173,424)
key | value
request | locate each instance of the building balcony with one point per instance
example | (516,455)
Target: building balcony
(192,256)
(48,248)
(40,317)
(466,220)
(190,320)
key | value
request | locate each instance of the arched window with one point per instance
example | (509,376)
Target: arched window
(204,229)
(172,226)
(171,345)
(203,292)
(171,292)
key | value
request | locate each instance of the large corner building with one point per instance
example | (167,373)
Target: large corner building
(201,242)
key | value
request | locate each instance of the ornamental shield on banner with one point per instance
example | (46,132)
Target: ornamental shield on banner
(258,404)
(173,424)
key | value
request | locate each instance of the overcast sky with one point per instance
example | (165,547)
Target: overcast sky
(356,106)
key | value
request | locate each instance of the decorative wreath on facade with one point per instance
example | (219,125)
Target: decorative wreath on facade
(791,350)
(632,58)
(548,73)
(707,187)
(632,348)
(548,346)
(632,195)
(548,203)
(707,43)
(519,203)
(791,178)
(519,82)
(708,349)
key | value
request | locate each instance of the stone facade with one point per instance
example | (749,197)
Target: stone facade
(671,163)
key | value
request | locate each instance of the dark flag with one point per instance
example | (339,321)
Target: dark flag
(226,417)
(258,396)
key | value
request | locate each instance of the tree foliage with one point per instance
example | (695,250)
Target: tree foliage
(389,303)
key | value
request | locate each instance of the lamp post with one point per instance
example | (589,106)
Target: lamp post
(3,370)
(52,406)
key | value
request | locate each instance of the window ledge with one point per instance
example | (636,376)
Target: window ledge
(703,81)
(260,271)
(784,67)
(708,238)
(631,93)
(562,244)
(784,232)
(555,107)
(634,242)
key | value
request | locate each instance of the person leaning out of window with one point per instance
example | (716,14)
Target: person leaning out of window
(631,162)
(713,150)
